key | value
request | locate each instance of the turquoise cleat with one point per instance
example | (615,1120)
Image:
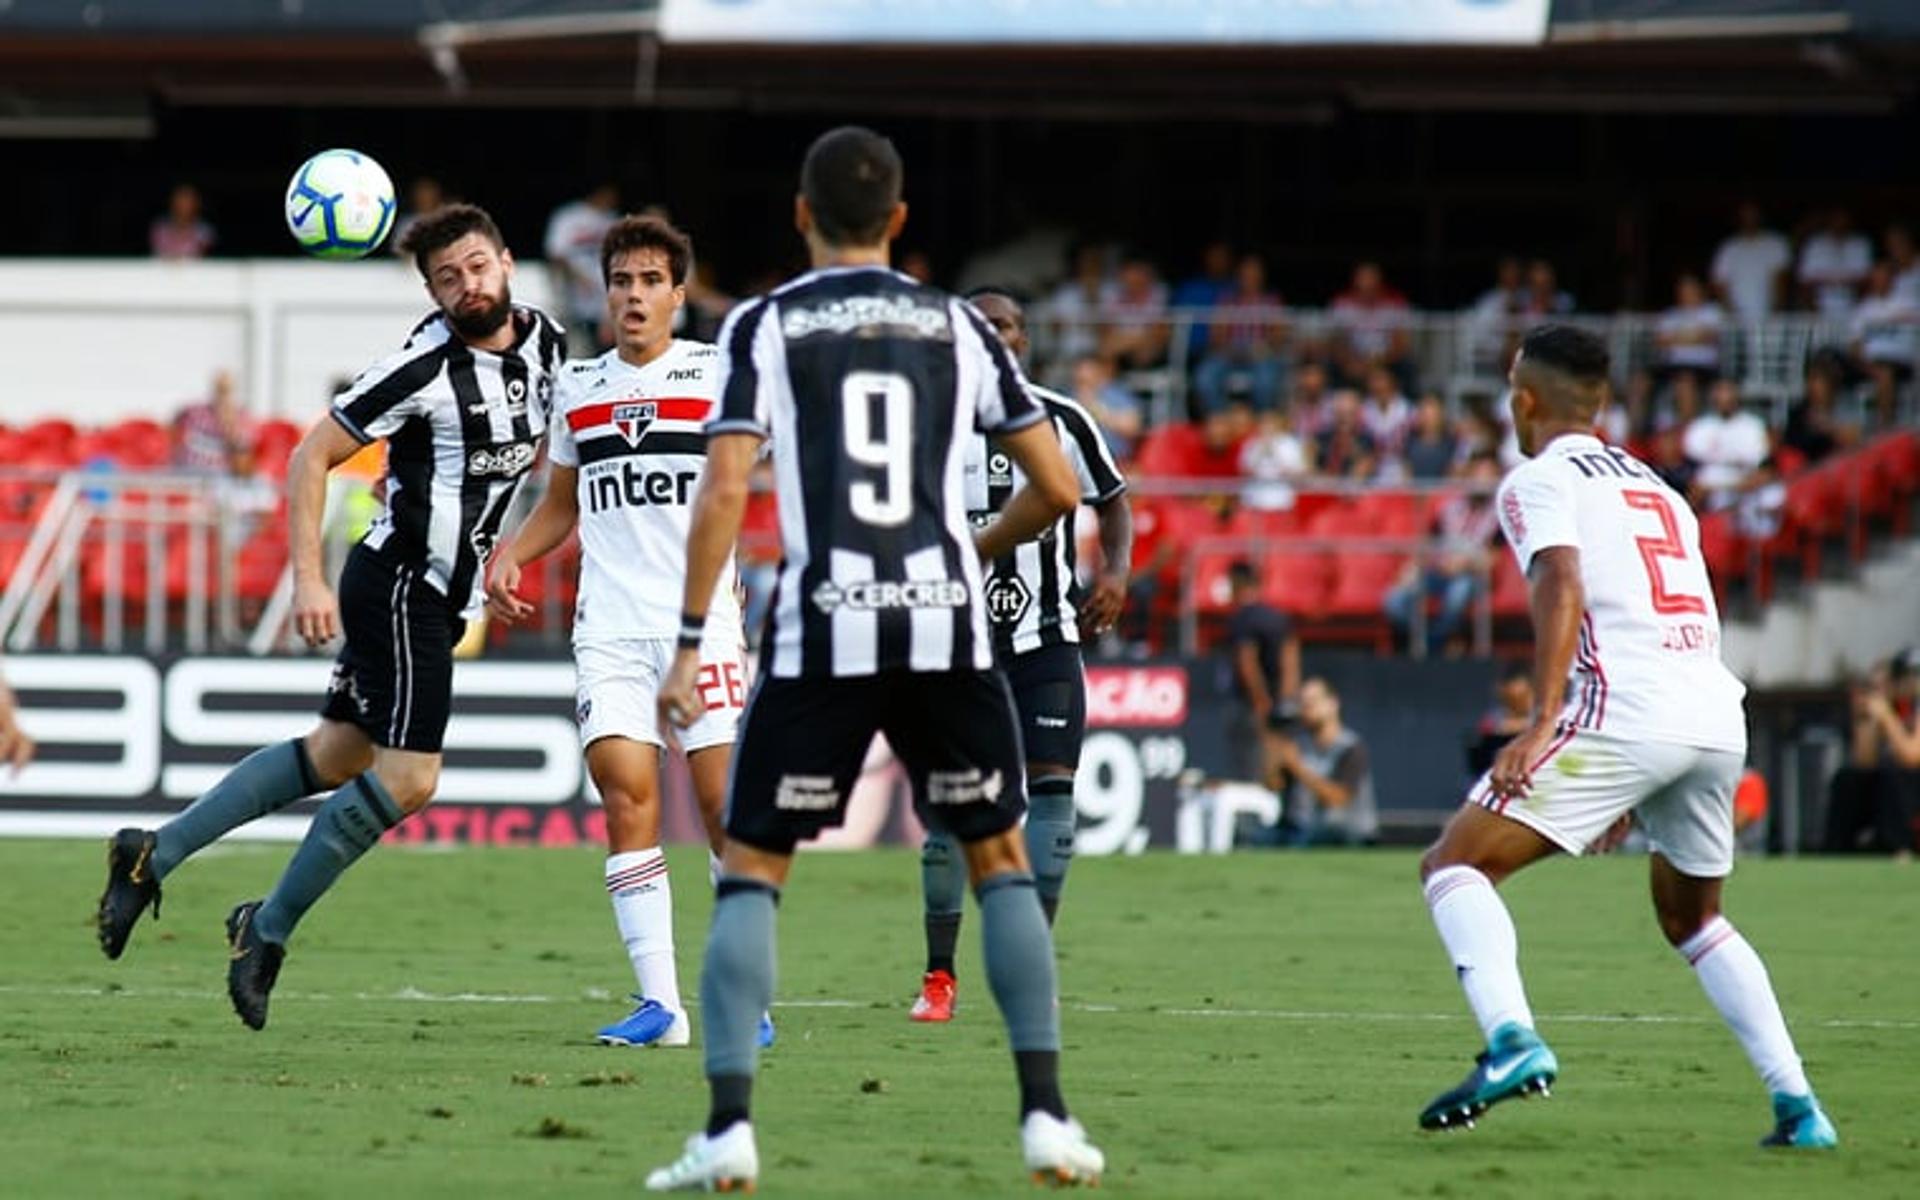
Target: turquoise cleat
(765,1034)
(1515,1063)
(1799,1124)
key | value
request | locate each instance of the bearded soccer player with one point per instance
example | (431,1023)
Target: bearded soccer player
(1037,624)
(867,384)
(1637,716)
(463,407)
(627,447)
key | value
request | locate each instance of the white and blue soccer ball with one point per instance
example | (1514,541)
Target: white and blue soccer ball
(340,204)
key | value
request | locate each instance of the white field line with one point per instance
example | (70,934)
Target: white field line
(412,995)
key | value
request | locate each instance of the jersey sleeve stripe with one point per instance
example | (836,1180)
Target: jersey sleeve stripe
(1017,409)
(346,422)
(366,404)
(1107,480)
(739,408)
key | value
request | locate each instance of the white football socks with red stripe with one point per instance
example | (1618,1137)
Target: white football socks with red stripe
(643,909)
(1737,983)
(1478,933)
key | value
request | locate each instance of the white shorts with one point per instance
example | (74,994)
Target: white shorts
(618,691)
(1682,796)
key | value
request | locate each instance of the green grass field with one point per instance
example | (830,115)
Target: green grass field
(1250,1026)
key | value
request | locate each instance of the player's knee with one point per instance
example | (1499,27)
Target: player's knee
(337,753)
(627,809)
(410,784)
(1678,923)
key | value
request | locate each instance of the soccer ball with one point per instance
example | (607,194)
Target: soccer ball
(340,204)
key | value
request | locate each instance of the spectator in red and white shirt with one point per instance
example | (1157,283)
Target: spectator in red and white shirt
(182,232)
(1136,332)
(1245,340)
(1345,449)
(1388,416)
(214,436)
(1370,325)
(1465,530)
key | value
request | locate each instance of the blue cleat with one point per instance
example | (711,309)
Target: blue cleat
(766,1030)
(650,1024)
(1799,1124)
(1515,1063)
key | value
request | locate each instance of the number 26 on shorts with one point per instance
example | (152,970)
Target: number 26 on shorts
(720,685)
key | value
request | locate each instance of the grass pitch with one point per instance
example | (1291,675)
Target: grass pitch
(1251,1026)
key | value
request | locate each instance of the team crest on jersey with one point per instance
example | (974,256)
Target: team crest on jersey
(999,470)
(632,420)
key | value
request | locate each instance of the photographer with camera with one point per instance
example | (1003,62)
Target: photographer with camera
(1264,656)
(1327,775)
(1872,802)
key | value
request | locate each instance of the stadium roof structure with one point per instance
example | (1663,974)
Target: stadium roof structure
(64,62)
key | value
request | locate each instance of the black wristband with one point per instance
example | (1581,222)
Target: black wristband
(692,630)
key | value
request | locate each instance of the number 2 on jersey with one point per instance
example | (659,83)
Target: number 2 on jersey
(889,448)
(1668,545)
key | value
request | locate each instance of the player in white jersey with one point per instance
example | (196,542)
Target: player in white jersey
(1637,719)
(627,448)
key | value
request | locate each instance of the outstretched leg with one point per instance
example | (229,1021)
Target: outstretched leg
(1737,982)
(1478,850)
(943,889)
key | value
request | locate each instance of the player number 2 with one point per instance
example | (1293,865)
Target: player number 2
(1668,545)
(886,444)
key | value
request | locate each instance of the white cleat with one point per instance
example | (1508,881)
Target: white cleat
(1058,1152)
(728,1163)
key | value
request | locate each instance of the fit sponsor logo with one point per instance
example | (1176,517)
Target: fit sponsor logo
(806,793)
(874,596)
(1135,696)
(508,460)
(1007,599)
(964,787)
(632,420)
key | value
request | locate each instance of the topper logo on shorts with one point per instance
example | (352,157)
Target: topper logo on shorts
(963,787)
(806,793)
(632,420)
(511,459)
(872,595)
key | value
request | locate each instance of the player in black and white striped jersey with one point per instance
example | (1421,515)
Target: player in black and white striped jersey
(1038,617)
(869,386)
(462,407)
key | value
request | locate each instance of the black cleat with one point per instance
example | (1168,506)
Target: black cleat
(253,963)
(131,888)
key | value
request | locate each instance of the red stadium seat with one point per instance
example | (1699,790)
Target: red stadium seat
(1510,595)
(1295,581)
(1361,583)
(1166,451)
(1393,514)
(1339,521)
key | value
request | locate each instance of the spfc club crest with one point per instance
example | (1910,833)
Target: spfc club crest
(632,420)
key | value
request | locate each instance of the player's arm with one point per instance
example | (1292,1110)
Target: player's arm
(1290,666)
(316,613)
(1557,599)
(544,529)
(719,507)
(1902,741)
(1246,668)
(1050,492)
(1331,791)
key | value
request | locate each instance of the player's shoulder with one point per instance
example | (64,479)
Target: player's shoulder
(577,379)
(1064,409)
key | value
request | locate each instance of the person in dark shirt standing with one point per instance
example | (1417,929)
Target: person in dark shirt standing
(1264,653)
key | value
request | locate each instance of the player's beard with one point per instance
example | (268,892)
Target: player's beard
(477,324)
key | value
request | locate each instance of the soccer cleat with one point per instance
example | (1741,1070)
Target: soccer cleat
(1800,1124)
(936,998)
(1515,1063)
(131,888)
(1058,1153)
(253,964)
(650,1024)
(765,1033)
(728,1163)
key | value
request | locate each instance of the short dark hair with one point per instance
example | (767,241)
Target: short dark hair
(1572,351)
(443,227)
(647,233)
(851,179)
(1240,574)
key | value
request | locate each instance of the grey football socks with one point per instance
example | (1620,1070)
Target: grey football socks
(1019,955)
(943,884)
(1050,837)
(347,826)
(266,781)
(736,986)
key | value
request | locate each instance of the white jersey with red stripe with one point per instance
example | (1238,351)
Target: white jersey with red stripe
(637,436)
(1648,663)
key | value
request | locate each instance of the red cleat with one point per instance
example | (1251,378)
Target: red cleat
(936,998)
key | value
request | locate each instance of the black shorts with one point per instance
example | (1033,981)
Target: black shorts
(1050,693)
(802,742)
(394,677)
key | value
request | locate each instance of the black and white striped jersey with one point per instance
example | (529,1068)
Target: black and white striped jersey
(1030,592)
(870,386)
(463,427)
